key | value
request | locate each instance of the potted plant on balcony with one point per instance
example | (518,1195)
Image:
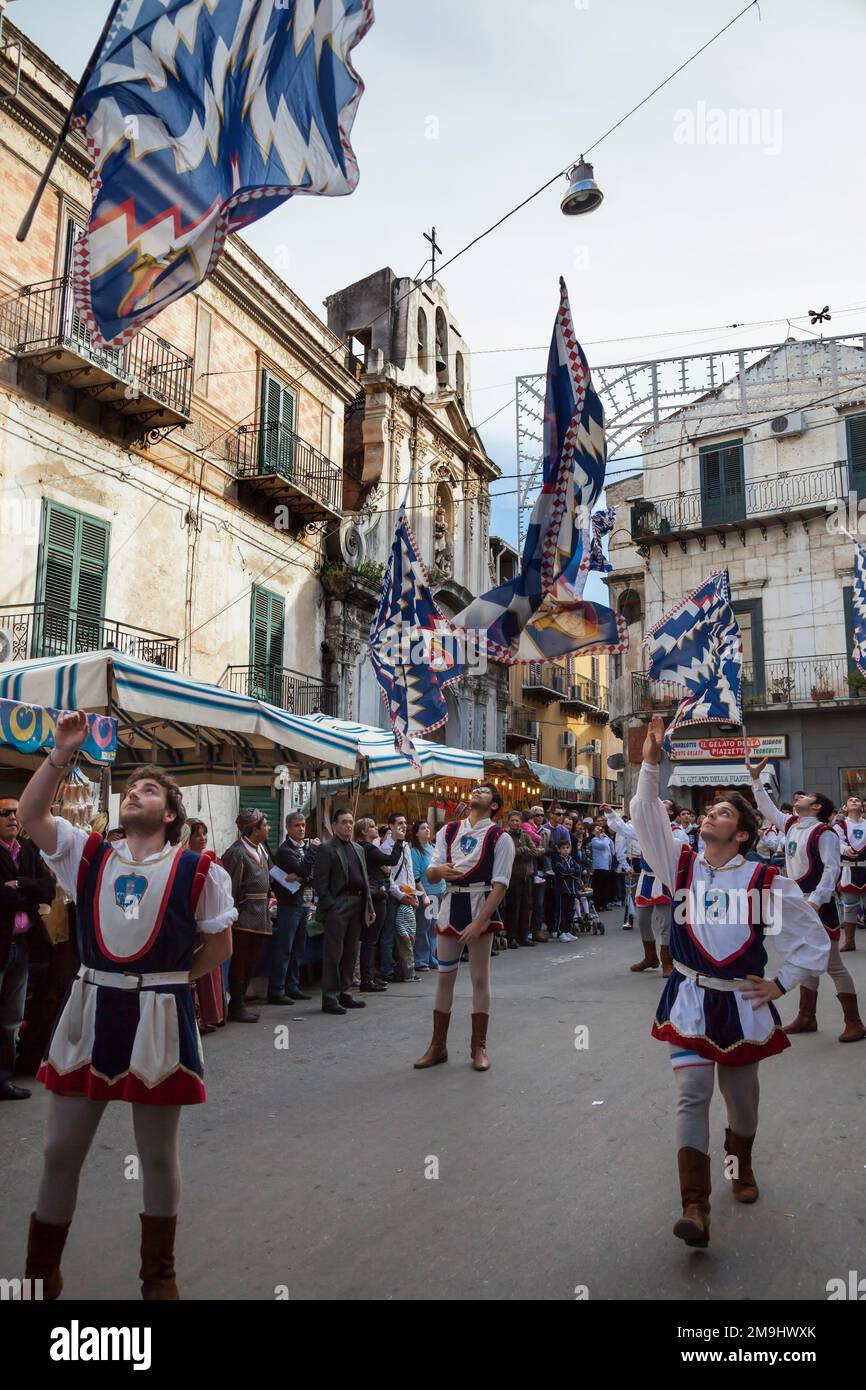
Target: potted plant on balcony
(823,687)
(857,684)
(781,688)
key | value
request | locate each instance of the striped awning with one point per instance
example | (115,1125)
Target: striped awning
(198,731)
(385,767)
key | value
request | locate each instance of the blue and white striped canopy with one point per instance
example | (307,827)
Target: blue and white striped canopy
(202,733)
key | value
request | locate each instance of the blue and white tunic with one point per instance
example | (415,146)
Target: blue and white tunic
(484,854)
(718,931)
(852,835)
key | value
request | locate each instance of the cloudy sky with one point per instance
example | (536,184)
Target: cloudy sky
(473,104)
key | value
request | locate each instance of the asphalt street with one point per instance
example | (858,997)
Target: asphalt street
(305,1173)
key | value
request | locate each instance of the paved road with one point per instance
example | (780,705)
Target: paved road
(306,1168)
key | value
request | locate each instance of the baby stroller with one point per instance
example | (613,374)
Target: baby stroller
(589,920)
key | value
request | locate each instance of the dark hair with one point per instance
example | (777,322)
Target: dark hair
(747,817)
(173,798)
(825,806)
(116,830)
(786,806)
(413,834)
(496,797)
(395,816)
(195,826)
(342,811)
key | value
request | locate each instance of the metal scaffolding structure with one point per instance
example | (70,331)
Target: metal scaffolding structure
(638,395)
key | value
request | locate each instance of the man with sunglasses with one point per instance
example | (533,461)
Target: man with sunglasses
(24,883)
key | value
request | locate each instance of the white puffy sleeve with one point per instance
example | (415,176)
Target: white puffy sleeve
(650,820)
(65,862)
(503,859)
(797,933)
(215,909)
(767,807)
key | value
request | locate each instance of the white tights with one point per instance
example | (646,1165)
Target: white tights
(448,952)
(739,1088)
(72,1123)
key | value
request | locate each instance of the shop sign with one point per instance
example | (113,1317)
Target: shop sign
(709,749)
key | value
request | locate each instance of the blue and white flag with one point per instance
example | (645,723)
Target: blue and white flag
(858,615)
(602,524)
(699,645)
(201,116)
(542,613)
(413,647)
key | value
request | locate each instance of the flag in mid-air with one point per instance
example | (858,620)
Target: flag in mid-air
(542,613)
(699,645)
(201,116)
(603,522)
(858,599)
(413,647)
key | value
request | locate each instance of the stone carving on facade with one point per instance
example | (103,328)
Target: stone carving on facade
(443,545)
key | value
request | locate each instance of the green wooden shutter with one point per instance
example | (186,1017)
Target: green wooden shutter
(722,484)
(276,437)
(855,427)
(848,610)
(267,633)
(266,800)
(70,591)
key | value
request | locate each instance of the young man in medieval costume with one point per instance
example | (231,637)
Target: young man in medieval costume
(473,858)
(716,1010)
(813,861)
(152,917)
(851,829)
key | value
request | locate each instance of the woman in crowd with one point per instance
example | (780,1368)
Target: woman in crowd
(379,864)
(430,897)
(208,990)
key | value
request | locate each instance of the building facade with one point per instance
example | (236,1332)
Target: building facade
(761,476)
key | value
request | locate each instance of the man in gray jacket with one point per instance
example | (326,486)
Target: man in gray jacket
(344,903)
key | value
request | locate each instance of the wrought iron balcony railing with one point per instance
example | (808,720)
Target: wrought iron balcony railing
(269,455)
(42,630)
(661,517)
(796,680)
(587,693)
(277,685)
(146,378)
(544,678)
(521,723)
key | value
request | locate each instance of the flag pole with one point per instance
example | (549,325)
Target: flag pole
(27,219)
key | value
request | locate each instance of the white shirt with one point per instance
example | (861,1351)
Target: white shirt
(402,872)
(503,854)
(626,843)
(214,911)
(801,938)
(829,848)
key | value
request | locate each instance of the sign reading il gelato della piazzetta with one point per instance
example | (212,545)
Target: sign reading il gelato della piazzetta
(700,750)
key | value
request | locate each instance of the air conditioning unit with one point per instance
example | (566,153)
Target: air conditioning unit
(568,739)
(792,423)
(533,727)
(5,645)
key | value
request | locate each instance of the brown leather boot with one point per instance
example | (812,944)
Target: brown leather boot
(850,943)
(743,1186)
(853,1030)
(478,1044)
(650,959)
(667,963)
(437,1051)
(44,1247)
(157,1259)
(805,1022)
(694,1225)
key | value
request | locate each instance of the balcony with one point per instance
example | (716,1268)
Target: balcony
(760,501)
(544,680)
(787,681)
(44,631)
(521,725)
(586,695)
(269,458)
(277,685)
(148,381)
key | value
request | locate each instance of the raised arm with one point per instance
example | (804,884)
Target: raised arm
(648,816)
(34,808)
(767,808)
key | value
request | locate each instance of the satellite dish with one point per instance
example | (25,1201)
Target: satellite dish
(616,762)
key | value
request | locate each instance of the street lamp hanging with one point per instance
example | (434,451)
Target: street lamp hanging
(584,194)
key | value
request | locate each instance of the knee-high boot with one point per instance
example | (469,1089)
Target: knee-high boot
(805,1022)
(45,1244)
(694,1225)
(157,1258)
(744,1185)
(437,1051)
(478,1043)
(850,944)
(854,1030)
(650,959)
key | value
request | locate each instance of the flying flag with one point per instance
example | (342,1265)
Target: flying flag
(698,645)
(602,524)
(858,655)
(542,613)
(413,647)
(201,116)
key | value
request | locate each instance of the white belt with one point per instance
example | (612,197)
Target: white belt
(470,888)
(707,981)
(128,979)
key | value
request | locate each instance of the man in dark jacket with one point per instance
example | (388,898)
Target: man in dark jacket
(517,905)
(25,882)
(296,858)
(342,888)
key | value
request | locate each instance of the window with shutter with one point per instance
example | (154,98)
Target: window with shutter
(267,633)
(276,436)
(855,428)
(848,610)
(750,619)
(723,492)
(264,799)
(201,370)
(70,587)
(73,328)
